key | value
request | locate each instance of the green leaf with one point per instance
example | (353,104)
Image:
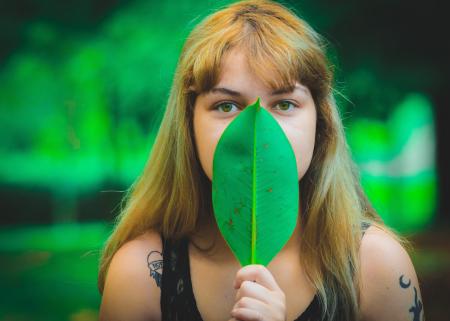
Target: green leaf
(255,186)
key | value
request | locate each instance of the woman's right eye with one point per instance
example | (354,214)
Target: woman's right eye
(225,106)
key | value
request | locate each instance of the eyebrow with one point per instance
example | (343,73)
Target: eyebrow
(231,92)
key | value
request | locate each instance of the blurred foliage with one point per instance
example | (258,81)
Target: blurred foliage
(397,162)
(79,109)
(49,272)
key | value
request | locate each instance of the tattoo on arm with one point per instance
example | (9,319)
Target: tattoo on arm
(416,308)
(155,264)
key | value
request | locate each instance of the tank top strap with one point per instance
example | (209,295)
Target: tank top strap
(312,311)
(177,298)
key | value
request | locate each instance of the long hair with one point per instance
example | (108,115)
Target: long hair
(173,192)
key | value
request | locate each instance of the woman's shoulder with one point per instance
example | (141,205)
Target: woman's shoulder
(389,284)
(132,287)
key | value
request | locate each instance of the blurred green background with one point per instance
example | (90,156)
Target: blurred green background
(83,86)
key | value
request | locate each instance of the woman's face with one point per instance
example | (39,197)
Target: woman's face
(237,88)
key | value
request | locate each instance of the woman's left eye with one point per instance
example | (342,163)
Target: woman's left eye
(284,105)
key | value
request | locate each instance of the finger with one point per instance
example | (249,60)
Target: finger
(258,273)
(244,314)
(242,308)
(253,290)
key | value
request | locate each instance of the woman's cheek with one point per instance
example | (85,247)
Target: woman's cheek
(208,138)
(302,144)
(304,154)
(206,154)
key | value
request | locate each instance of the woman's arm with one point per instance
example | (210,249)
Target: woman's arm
(389,286)
(131,292)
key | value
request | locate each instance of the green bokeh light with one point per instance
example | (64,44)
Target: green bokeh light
(397,161)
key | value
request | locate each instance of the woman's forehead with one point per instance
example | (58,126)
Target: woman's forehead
(233,68)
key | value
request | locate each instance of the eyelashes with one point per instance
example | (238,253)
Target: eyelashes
(217,106)
(226,107)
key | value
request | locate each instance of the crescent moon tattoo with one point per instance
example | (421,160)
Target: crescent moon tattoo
(403,284)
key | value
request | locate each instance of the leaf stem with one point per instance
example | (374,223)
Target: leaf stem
(253,252)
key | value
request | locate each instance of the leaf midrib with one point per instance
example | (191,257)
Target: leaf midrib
(253,252)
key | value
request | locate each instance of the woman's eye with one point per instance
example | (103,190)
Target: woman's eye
(226,107)
(284,105)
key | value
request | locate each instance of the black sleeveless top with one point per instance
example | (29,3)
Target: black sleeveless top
(177,297)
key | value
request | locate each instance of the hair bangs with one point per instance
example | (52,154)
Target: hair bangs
(276,53)
(206,66)
(273,60)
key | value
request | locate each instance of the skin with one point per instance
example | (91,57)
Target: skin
(225,291)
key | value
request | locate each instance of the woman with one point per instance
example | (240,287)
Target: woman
(166,259)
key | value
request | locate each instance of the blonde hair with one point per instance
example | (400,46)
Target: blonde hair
(173,191)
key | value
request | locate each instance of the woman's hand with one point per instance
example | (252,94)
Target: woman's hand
(258,297)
